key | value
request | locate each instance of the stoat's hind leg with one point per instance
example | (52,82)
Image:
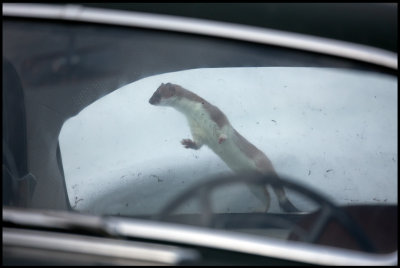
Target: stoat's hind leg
(268,198)
(262,194)
(188,143)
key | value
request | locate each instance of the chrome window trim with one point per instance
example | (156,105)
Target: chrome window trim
(251,244)
(192,235)
(205,27)
(104,247)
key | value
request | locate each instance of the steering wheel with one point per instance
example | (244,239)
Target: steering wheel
(328,212)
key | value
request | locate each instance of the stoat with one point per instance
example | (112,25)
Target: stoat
(211,127)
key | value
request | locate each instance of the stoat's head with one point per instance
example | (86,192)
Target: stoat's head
(165,95)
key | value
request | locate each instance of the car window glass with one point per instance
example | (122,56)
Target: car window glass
(329,128)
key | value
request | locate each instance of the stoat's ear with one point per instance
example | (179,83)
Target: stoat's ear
(167,90)
(170,90)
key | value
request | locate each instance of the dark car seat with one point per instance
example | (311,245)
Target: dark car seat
(18,183)
(378,222)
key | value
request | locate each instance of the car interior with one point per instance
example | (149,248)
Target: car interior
(69,65)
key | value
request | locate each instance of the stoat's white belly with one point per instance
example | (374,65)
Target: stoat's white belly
(230,153)
(205,130)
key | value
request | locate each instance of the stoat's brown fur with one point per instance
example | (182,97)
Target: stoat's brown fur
(211,127)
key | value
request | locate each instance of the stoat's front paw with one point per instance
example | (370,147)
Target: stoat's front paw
(188,143)
(222,138)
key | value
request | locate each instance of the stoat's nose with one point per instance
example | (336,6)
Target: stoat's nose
(155,99)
